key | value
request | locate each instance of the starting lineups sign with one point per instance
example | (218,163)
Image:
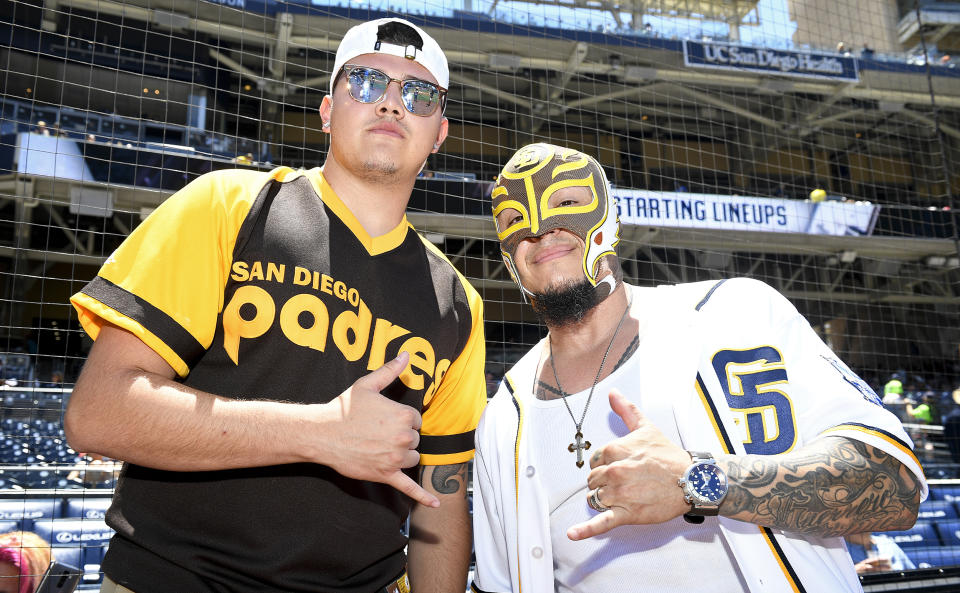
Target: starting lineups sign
(804,64)
(740,213)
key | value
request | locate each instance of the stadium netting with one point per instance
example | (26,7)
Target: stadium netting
(810,145)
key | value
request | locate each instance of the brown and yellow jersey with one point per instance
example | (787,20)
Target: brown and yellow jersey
(265,286)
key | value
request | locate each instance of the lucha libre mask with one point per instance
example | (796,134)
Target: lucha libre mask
(530,177)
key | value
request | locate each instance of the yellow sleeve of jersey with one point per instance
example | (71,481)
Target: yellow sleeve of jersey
(453,412)
(165,282)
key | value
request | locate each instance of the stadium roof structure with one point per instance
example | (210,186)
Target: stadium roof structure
(726,11)
(531,82)
(932,24)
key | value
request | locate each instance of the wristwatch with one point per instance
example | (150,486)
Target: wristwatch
(704,487)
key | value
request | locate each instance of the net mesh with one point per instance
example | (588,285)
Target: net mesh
(810,145)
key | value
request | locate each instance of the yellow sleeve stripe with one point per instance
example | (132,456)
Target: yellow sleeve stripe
(446,459)
(93,314)
(881,434)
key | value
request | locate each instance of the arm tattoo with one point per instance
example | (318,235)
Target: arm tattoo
(446,479)
(833,487)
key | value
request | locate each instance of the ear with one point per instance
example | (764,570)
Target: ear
(326,110)
(441,134)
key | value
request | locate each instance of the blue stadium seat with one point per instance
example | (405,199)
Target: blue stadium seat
(929,557)
(27,512)
(69,556)
(87,561)
(949,532)
(77,533)
(920,535)
(85,540)
(6,526)
(951,493)
(86,507)
(937,510)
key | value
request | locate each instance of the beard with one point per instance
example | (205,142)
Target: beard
(566,303)
(378,170)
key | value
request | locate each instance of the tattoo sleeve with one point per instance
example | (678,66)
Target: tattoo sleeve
(445,479)
(834,486)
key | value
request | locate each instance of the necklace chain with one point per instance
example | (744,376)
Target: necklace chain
(563,393)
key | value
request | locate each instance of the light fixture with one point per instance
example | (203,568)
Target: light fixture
(936,261)
(848,257)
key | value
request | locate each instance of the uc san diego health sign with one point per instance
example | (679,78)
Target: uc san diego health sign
(726,56)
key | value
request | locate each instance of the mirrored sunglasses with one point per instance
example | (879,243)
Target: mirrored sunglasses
(369,85)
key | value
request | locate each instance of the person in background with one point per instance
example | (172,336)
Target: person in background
(951,428)
(24,558)
(876,552)
(926,411)
(893,391)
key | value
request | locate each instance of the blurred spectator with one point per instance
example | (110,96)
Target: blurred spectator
(56,380)
(842,48)
(24,558)
(893,391)
(875,552)
(98,473)
(492,384)
(926,412)
(867,52)
(951,428)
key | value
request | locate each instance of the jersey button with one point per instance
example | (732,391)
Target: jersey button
(530,471)
(537,552)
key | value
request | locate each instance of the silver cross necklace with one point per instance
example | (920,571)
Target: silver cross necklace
(579,445)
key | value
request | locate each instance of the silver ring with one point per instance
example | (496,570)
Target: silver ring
(594,501)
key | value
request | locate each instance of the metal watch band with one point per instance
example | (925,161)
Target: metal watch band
(696,513)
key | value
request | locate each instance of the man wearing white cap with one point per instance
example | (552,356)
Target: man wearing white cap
(288,369)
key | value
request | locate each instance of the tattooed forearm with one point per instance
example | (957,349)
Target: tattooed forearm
(834,486)
(446,479)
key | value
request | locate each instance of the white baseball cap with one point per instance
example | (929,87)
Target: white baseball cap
(366,39)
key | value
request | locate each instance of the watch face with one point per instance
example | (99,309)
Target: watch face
(708,482)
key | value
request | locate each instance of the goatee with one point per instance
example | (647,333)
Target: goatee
(378,171)
(565,304)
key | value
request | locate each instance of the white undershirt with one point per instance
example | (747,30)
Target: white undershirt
(673,556)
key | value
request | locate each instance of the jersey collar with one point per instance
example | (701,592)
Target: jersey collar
(374,245)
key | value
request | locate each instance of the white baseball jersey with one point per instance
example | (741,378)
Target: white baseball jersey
(728,367)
